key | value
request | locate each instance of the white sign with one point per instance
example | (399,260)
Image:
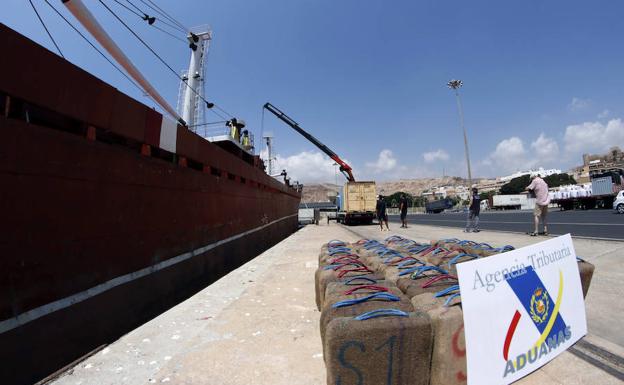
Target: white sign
(521,309)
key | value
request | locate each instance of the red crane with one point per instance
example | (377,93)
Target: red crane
(345,169)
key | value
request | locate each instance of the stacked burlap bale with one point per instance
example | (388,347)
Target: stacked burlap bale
(336,260)
(433,326)
(339,261)
(390,347)
(426,281)
(448,356)
(349,301)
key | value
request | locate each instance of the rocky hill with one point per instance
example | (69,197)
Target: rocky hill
(321,192)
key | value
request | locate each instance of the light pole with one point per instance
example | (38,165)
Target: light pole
(336,173)
(455,85)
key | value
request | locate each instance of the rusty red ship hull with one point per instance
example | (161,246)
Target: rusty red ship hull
(110,215)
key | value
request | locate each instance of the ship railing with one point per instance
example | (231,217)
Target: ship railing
(217,134)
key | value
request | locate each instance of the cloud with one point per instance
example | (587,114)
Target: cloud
(433,156)
(385,162)
(508,156)
(511,155)
(605,113)
(545,149)
(593,137)
(578,104)
(306,167)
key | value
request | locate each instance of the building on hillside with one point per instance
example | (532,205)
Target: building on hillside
(490,185)
(540,171)
(447,192)
(598,164)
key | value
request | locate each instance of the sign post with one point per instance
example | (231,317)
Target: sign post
(521,309)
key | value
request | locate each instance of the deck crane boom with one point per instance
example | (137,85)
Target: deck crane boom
(345,169)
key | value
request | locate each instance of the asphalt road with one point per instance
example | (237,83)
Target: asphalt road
(587,223)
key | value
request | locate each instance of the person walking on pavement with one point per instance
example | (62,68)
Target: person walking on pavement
(403,208)
(382,216)
(472,223)
(539,188)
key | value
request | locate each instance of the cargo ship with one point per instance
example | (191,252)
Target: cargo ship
(111,212)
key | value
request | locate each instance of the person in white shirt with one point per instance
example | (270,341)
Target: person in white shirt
(540,189)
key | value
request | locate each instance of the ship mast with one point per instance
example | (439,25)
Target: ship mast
(199,42)
(84,16)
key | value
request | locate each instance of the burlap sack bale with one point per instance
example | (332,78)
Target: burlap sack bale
(378,351)
(323,277)
(399,262)
(340,259)
(415,272)
(329,252)
(448,359)
(451,265)
(428,301)
(430,284)
(441,256)
(391,274)
(378,300)
(586,270)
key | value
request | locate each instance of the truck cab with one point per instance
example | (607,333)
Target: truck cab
(618,203)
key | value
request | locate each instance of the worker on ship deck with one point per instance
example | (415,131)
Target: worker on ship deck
(246,140)
(235,128)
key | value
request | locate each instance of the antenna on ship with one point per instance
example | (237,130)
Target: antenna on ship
(269,142)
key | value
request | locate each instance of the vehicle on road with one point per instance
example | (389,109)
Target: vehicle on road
(618,203)
(438,206)
(512,202)
(604,188)
(357,203)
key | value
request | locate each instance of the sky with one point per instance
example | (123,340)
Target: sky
(542,81)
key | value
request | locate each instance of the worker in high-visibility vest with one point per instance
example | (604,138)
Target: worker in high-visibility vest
(246,140)
(234,132)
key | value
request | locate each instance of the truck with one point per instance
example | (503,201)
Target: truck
(438,206)
(358,200)
(512,202)
(604,189)
(357,203)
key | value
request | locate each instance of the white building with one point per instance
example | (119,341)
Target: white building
(539,171)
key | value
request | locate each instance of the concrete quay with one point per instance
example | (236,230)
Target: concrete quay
(259,324)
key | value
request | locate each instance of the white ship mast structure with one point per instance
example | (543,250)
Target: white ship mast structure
(191,96)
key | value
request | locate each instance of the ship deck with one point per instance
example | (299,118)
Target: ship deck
(259,324)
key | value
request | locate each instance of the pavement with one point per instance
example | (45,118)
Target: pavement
(598,223)
(259,324)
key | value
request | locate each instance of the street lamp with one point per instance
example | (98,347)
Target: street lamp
(455,85)
(336,172)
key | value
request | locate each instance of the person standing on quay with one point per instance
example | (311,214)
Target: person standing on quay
(382,216)
(472,223)
(540,189)
(403,208)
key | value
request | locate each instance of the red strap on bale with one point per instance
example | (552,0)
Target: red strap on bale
(375,288)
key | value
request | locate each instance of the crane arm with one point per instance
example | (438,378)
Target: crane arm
(345,169)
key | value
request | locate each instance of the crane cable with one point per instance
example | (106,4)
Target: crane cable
(162,12)
(208,104)
(145,16)
(97,49)
(46,28)
(150,21)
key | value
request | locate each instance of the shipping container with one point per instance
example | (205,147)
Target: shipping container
(358,202)
(602,186)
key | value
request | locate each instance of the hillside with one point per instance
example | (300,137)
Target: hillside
(321,192)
